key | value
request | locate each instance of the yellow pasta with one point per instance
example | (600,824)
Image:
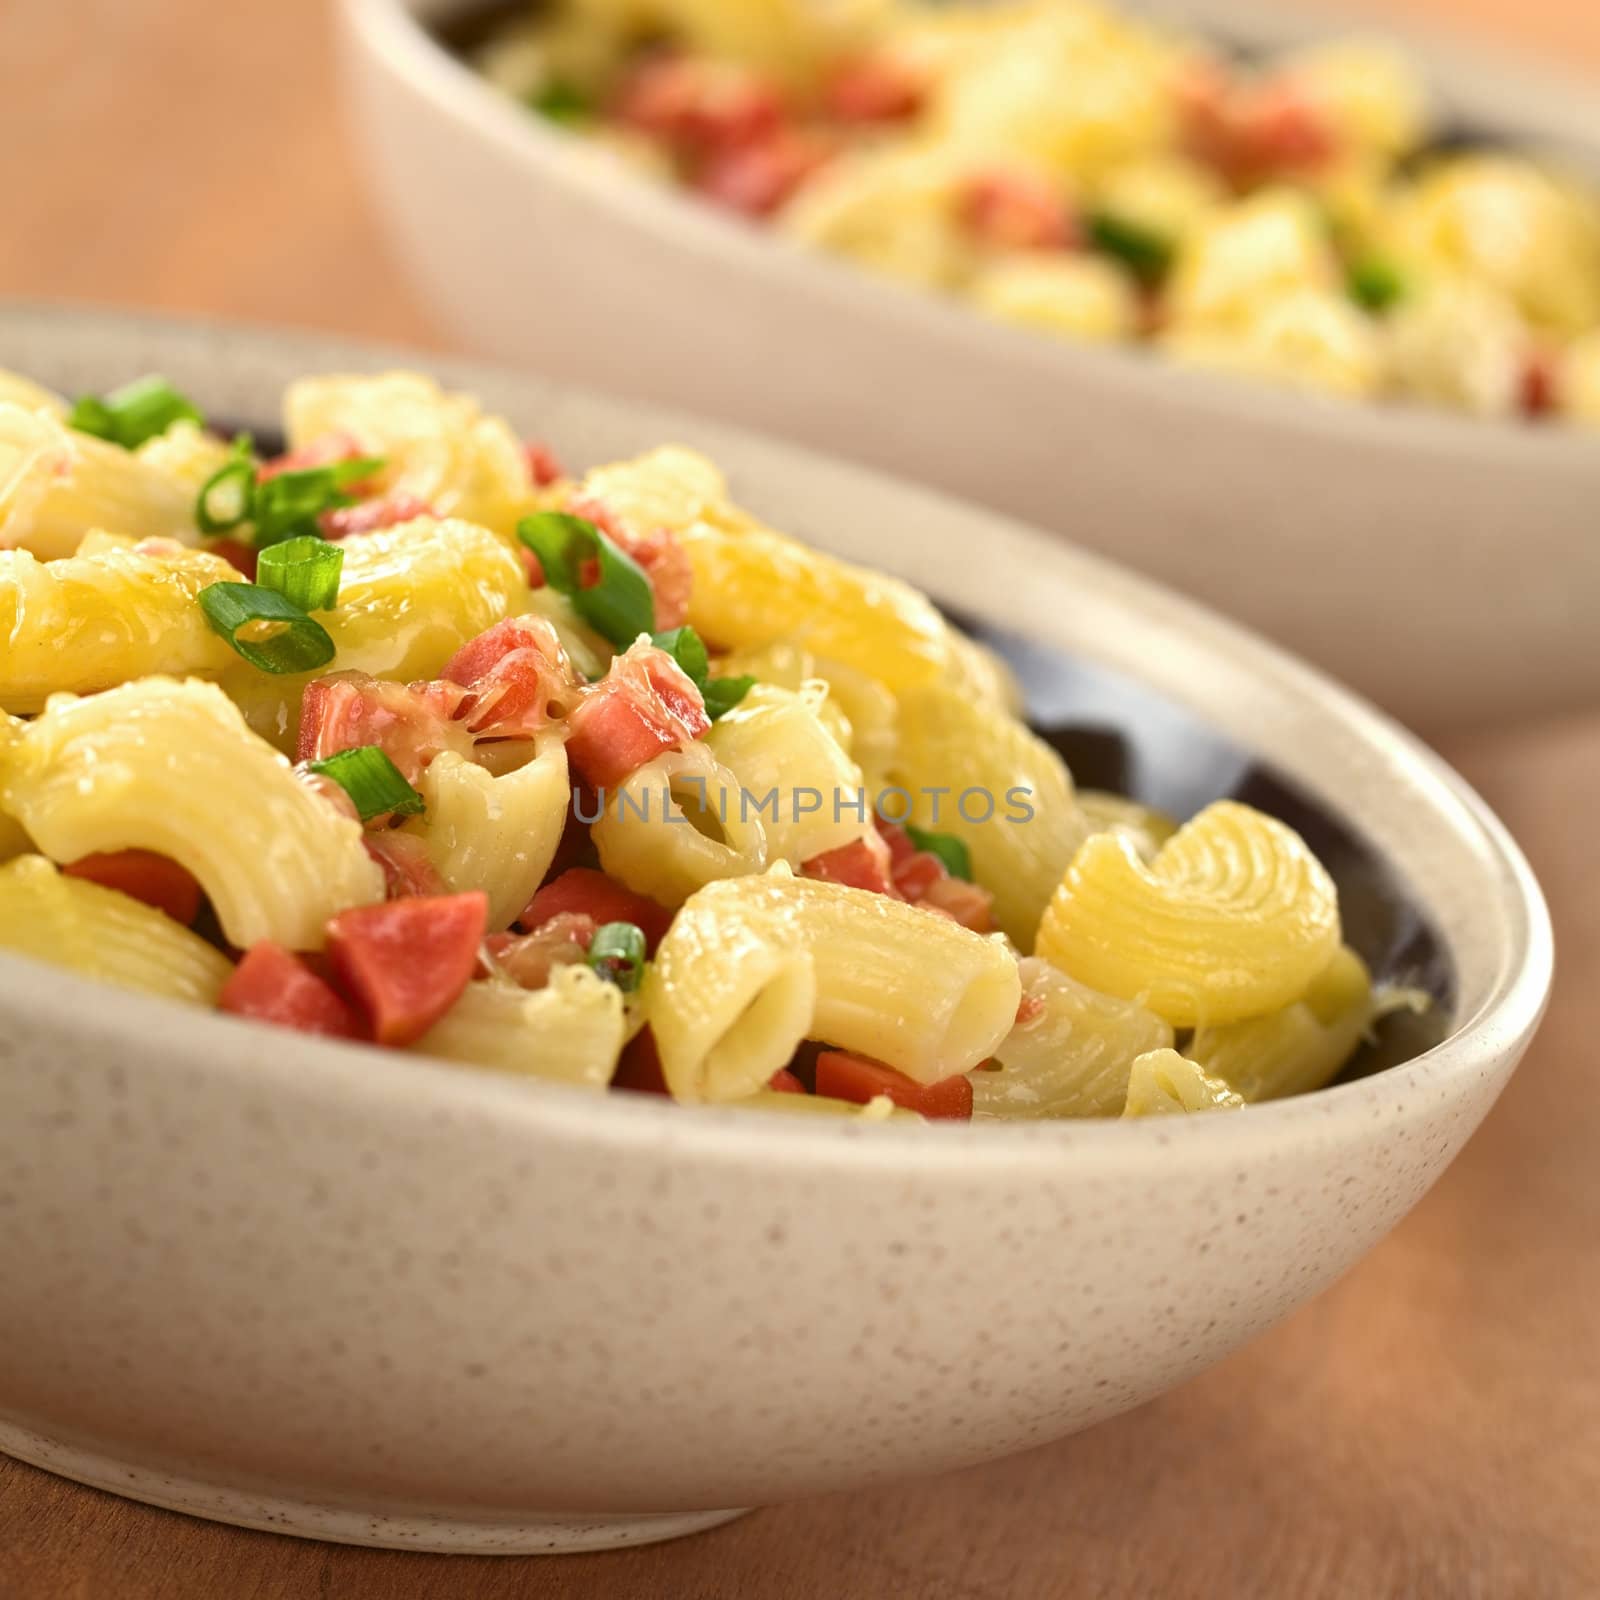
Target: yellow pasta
(1253,252)
(128,723)
(436,446)
(669,487)
(753,587)
(1163,1083)
(1299,1048)
(409,598)
(1147,827)
(752,966)
(1001,790)
(1071,1056)
(186,453)
(55,483)
(94,620)
(103,934)
(170,766)
(571,1031)
(495,833)
(678,824)
(776,748)
(1076,297)
(1233,918)
(891,211)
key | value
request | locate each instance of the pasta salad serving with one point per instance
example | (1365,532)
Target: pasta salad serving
(1094,176)
(401,734)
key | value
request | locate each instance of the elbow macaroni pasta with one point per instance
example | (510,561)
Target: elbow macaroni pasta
(1234,917)
(56,484)
(1163,1083)
(754,965)
(96,619)
(72,923)
(497,834)
(1072,1056)
(99,774)
(570,1032)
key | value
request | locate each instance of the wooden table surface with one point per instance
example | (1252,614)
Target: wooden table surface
(1429,1428)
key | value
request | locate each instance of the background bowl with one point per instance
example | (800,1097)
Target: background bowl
(323,1289)
(1447,568)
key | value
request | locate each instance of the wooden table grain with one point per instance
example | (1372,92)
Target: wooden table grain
(1429,1428)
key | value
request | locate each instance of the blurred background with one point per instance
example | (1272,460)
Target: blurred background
(193,156)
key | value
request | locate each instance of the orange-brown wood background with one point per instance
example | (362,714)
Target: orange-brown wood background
(1430,1428)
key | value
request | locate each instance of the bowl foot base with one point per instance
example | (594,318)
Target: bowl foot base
(516,1533)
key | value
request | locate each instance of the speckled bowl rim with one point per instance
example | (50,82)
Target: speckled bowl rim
(1506,894)
(393,33)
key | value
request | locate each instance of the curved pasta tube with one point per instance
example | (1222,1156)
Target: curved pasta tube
(1247,255)
(571,1031)
(1299,1048)
(1001,790)
(57,483)
(1070,296)
(669,487)
(1162,1082)
(893,210)
(1071,1056)
(187,453)
(775,746)
(679,823)
(97,619)
(437,446)
(409,597)
(1233,918)
(729,997)
(752,966)
(753,587)
(170,766)
(87,928)
(1147,827)
(498,834)
(976,671)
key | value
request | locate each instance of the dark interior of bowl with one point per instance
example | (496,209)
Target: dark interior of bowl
(1115,734)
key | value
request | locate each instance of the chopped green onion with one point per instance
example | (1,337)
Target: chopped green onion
(1144,251)
(374,783)
(721,695)
(949,849)
(617,953)
(560,100)
(304,570)
(621,604)
(141,410)
(288,504)
(269,631)
(1376,284)
(226,496)
(685,647)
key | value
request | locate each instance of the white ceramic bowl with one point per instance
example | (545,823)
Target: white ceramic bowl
(1447,568)
(314,1287)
